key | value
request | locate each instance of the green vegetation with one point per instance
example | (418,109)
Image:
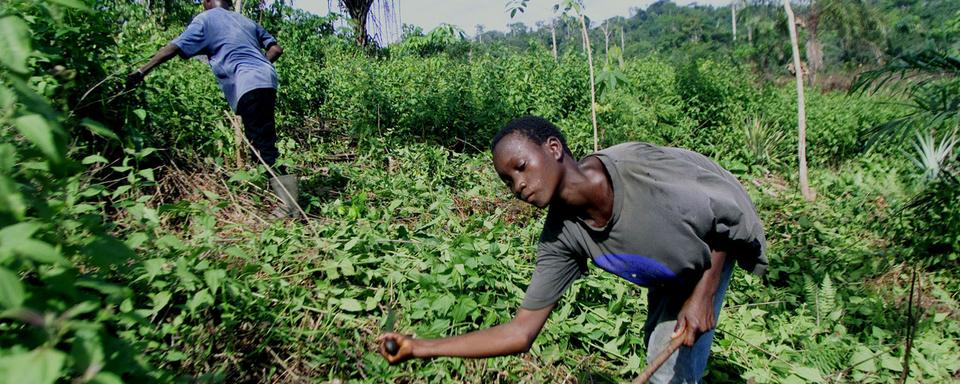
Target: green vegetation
(133,246)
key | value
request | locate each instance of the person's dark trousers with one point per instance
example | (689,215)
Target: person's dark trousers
(256,109)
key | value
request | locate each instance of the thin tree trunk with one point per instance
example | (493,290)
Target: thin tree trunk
(583,42)
(733,19)
(593,90)
(606,43)
(553,35)
(623,45)
(801,112)
(239,7)
(911,329)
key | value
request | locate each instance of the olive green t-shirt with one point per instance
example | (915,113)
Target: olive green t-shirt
(671,207)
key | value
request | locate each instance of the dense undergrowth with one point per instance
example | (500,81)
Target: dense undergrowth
(134,246)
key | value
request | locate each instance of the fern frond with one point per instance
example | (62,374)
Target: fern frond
(812,292)
(827,297)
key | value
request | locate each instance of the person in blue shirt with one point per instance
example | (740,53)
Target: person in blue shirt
(241,54)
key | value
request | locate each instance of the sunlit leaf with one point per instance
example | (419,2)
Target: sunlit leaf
(14,43)
(105,378)
(351,305)
(40,366)
(11,289)
(41,133)
(810,374)
(214,278)
(99,129)
(201,299)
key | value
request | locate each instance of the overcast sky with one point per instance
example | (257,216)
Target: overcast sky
(492,14)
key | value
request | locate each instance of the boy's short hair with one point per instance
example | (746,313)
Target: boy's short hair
(534,128)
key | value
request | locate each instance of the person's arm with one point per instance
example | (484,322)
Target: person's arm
(162,56)
(697,315)
(274,52)
(506,339)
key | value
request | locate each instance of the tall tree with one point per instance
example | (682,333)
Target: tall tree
(852,19)
(733,18)
(553,36)
(359,12)
(801,112)
(606,42)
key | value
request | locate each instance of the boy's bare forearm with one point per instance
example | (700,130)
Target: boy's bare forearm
(162,56)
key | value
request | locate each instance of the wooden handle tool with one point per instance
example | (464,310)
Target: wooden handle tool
(661,358)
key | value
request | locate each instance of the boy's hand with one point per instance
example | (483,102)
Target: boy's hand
(134,79)
(696,317)
(405,346)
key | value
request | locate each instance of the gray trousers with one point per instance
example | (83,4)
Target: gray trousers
(687,364)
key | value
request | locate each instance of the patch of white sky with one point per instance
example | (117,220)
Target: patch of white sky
(493,14)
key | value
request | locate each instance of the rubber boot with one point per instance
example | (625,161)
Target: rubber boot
(288,207)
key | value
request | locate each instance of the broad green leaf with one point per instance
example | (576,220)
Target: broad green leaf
(105,251)
(350,244)
(40,366)
(79,309)
(10,234)
(99,129)
(11,200)
(346,267)
(214,278)
(39,251)
(87,349)
(11,289)
(41,133)
(892,363)
(187,278)
(161,300)
(105,378)
(75,4)
(154,267)
(105,288)
(147,174)
(864,360)
(809,374)
(350,305)
(14,43)
(793,379)
(7,102)
(202,298)
(94,159)
(141,114)
(32,101)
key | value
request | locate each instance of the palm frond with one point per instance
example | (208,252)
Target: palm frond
(912,70)
(930,108)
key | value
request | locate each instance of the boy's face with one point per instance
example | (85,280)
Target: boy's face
(532,171)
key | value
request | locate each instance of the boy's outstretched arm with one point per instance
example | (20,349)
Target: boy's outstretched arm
(506,339)
(162,56)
